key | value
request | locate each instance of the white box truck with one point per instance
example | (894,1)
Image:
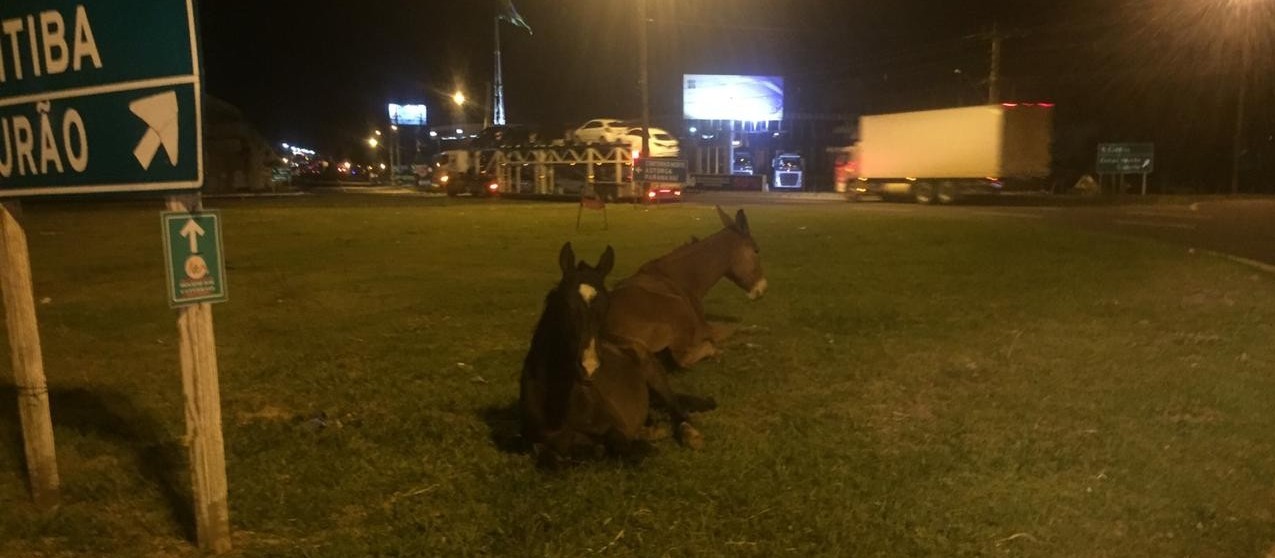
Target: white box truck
(942,155)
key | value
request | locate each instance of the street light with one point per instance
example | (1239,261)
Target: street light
(373,142)
(458,98)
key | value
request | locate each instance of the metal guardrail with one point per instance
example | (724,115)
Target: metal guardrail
(543,163)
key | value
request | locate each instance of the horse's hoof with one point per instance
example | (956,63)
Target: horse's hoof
(689,436)
(654,433)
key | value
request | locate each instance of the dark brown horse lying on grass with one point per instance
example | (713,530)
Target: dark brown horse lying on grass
(661,306)
(580,395)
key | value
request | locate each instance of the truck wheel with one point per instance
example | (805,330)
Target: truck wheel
(949,193)
(923,192)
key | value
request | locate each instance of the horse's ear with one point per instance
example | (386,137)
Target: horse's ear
(607,261)
(726,222)
(741,221)
(566,259)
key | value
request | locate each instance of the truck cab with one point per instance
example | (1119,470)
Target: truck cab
(454,172)
(787,171)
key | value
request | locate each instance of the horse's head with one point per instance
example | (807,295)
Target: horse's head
(583,287)
(745,258)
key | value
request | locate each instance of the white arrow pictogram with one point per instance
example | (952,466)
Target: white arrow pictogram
(192,231)
(159,112)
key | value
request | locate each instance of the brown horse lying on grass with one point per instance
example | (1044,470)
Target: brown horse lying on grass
(661,306)
(581,396)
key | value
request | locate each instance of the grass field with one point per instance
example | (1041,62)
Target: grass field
(912,385)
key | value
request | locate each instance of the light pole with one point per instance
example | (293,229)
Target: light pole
(1238,147)
(373,142)
(394,156)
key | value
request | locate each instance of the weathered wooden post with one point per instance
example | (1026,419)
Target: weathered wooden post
(28,361)
(200,387)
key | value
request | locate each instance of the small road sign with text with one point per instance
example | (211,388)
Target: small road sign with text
(671,171)
(192,246)
(1126,158)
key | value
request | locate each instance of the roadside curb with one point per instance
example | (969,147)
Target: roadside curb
(770,194)
(1260,266)
(251,196)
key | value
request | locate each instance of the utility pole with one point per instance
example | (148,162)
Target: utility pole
(644,84)
(644,79)
(1238,147)
(995,37)
(994,74)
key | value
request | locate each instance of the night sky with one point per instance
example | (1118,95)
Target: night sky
(319,72)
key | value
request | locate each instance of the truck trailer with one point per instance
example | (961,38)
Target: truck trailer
(942,155)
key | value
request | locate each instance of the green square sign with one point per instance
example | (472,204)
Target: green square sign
(196,268)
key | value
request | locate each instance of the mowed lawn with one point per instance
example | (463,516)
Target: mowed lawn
(922,383)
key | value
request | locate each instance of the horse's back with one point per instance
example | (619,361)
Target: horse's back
(648,312)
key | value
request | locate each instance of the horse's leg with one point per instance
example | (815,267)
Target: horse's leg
(686,355)
(657,382)
(703,338)
(720,332)
(655,432)
(695,403)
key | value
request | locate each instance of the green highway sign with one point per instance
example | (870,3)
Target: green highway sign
(196,268)
(669,170)
(99,96)
(1126,158)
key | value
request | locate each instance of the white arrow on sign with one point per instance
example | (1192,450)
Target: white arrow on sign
(159,112)
(192,231)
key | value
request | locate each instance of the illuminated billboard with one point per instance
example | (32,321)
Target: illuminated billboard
(725,97)
(407,115)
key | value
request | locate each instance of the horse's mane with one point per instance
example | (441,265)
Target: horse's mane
(695,246)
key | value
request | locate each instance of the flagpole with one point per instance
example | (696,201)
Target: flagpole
(498,86)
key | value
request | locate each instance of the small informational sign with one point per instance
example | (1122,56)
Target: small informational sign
(665,170)
(1126,158)
(196,268)
(106,99)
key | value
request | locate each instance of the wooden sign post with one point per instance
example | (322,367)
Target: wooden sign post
(200,386)
(28,361)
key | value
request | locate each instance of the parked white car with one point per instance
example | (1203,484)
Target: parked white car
(601,130)
(663,144)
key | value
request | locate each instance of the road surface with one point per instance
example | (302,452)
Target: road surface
(1244,228)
